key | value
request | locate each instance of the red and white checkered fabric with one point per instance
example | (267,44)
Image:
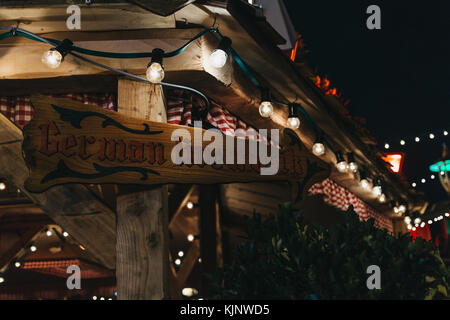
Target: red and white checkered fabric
(20,112)
(341,198)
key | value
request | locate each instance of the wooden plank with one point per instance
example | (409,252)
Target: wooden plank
(142,269)
(72,206)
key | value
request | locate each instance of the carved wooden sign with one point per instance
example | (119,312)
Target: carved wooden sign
(69,142)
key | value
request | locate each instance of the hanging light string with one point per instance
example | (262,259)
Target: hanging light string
(155,74)
(420,138)
(421,222)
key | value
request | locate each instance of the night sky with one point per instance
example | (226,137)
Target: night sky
(398,78)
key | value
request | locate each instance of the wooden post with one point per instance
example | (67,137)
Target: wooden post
(142,269)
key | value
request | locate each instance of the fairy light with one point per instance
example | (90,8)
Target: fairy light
(180,254)
(431,136)
(265,107)
(178,262)
(33,248)
(189,292)
(318,148)
(155,69)
(407,220)
(54,56)
(293,121)
(2,186)
(386,146)
(352,165)
(190,237)
(417,139)
(341,164)
(377,189)
(189,205)
(218,58)
(402,142)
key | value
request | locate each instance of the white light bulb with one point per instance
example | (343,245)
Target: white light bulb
(52,58)
(445,133)
(402,142)
(353,166)
(49,233)
(430,221)
(2,279)
(189,205)
(94,298)
(2,186)
(386,146)
(431,136)
(189,292)
(432,177)
(423,180)
(442,173)
(402,208)
(17,264)
(413,229)
(409,227)
(382,198)
(365,184)
(417,220)
(342,166)
(155,72)
(396,211)
(422,224)
(180,254)
(177,262)
(414,184)
(318,149)
(293,123)
(190,237)
(377,191)
(407,220)
(417,139)
(218,58)
(447,214)
(33,248)
(266,109)
(65,234)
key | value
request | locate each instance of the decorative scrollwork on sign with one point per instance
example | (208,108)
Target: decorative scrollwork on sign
(75,118)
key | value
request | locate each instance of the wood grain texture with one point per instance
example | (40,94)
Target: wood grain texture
(72,206)
(142,217)
(70,142)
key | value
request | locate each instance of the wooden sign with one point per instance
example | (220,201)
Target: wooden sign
(69,142)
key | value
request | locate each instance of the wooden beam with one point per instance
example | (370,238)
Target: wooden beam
(142,268)
(181,202)
(71,206)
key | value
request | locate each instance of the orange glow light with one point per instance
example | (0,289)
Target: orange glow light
(395,160)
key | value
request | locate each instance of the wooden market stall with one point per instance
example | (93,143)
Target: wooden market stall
(129,231)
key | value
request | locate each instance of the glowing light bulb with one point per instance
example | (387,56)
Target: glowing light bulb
(353,166)
(2,279)
(33,248)
(445,133)
(402,142)
(417,139)
(65,234)
(2,186)
(155,72)
(17,264)
(293,123)
(177,262)
(431,136)
(218,58)
(432,177)
(402,208)
(409,227)
(407,220)
(413,229)
(382,198)
(342,166)
(318,149)
(422,224)
(365,184)
(386,146)
(94,298)
(447,214)
(377,191)
(430,221)
(52,58)
(414,184)
(190,237)
(189,205)
(266,109)
(423,180)
(189,292)
(49,233)
(417,221)
(180,254)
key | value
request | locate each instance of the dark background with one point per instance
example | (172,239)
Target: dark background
(397,77)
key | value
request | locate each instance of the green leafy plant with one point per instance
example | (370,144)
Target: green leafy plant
(284,257)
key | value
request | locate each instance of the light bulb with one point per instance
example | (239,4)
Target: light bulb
(382,198)
(377,191)
(423,180)
(318,149)
(353,166)
(396,211)
(2,186)
(386,146)
(293,123)
(445,133)
(65,234)
(190,237)
(49,233)
(413,184)
(365,184)
(409,227)
(447,214)
(218,58)
(417,139)
(402,208)
(94,298)
(180,254)
(17,264)
(402,142)
(413,229)
(342,166)
(431,136)
(52,58)
(417,221)
(266,109)
(177,262)
(430,221)
(2,279)
(189,205)
(422,224)
(155,72)
(407,220)
(189,292)
(33,248)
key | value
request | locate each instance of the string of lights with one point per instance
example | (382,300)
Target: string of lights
(218,58)
(418,223)
(418,139)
